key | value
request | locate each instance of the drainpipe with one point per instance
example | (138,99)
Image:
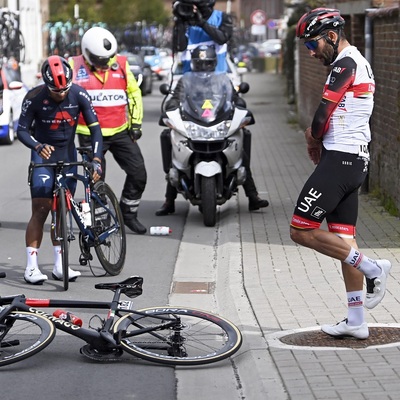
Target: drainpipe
(368,34)
(368,56)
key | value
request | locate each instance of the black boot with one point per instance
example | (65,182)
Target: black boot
(255,203)
(133,223)
(167,208)
(130,219)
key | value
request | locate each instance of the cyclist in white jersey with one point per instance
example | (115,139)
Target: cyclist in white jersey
(337,142)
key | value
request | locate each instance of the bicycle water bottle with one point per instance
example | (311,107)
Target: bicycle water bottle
(86,215)
(67,316)
(160,230)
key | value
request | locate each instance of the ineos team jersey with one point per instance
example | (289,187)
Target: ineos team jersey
(55,123)
(342,118)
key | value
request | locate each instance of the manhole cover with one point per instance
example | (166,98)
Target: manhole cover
(378,336)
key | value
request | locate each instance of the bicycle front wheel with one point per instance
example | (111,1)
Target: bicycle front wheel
(178,336)
(23,334)
(111,251)
(63,237)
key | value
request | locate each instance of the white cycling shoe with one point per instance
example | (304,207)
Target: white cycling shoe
(341,330)
(34,276)
(376,287)
(72,274)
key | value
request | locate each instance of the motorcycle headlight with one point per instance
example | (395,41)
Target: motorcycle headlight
(195,131)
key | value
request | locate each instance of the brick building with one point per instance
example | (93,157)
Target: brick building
(374,27)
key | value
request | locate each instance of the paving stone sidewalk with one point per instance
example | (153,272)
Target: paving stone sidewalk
(291,287)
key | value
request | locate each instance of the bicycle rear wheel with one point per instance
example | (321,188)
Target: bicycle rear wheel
(63,237)
(23,334)
(189,336)
(111,252)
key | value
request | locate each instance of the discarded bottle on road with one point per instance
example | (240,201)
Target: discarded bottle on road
(67,316)
(160,230)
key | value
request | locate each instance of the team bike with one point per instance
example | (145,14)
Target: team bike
(167,335)
(100,226)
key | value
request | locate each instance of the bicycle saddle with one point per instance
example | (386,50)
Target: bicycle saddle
(131,287)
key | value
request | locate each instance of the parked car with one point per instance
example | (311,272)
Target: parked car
(152,57)
(142,72)
(271,47)
(166,62)
(14,92)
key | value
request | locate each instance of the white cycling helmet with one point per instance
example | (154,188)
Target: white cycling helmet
(98,46)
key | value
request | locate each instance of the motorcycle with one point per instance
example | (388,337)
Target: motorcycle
(204,148)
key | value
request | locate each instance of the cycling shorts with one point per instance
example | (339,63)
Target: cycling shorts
(331,193)
(42,180)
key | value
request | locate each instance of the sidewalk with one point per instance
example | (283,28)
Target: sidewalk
(272,288)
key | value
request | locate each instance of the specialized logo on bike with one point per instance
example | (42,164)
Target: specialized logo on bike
(207,107)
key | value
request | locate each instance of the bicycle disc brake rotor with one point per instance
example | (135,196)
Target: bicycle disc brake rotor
(98,355)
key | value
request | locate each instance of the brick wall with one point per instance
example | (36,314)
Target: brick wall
(384,174)
(385,122)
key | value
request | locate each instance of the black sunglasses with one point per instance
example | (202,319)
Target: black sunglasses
(313,44)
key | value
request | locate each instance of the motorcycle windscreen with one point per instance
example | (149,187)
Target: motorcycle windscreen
(206,97)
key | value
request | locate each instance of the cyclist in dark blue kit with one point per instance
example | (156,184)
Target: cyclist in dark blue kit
(47,125)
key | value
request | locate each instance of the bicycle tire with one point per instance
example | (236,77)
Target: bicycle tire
(202,337)
(63,235)
(22,335)
(112,252)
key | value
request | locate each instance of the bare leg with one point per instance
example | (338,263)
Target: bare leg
(34,230)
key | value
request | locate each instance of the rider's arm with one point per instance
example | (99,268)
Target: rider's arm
(135,102)
(90,117)
(221,34)
(26,120)
(341,78)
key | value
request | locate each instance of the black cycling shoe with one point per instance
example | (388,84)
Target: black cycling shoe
(166,208)
(255,203)
(134,225)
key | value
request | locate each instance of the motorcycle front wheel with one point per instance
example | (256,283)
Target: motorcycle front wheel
(209,200)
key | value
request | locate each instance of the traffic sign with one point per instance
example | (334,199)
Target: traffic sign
(258,17)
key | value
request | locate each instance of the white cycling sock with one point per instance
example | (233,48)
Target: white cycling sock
(366,265)
(32,257)
(355,311)
(57,258)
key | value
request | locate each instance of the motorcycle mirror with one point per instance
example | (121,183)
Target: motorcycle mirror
(164,88)
(244,87)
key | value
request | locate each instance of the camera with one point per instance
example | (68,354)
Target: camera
(183,9)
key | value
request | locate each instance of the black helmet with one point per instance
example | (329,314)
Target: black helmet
(314,22)
(57,73)
(204,59)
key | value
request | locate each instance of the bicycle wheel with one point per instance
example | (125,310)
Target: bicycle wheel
(111,251)
(188,337)
(23,334)
(63,237)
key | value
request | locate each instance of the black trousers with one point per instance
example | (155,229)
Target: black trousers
(128,156)
(249,185)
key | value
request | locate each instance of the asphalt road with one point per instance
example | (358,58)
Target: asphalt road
(60,370)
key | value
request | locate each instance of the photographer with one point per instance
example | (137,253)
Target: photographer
(197,23)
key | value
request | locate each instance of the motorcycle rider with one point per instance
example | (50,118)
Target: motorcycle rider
(110,83)
(204,59)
